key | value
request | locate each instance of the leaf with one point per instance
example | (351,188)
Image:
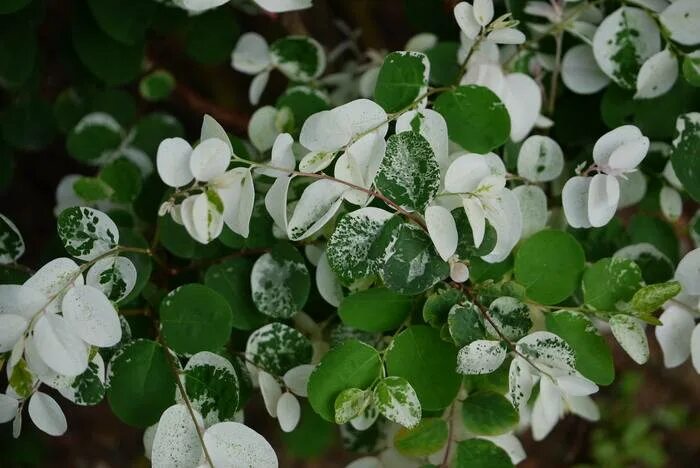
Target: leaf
(280,282)
(318,204)
(157,85)
(675,335)
(649,298)
(420,356)
(682,19)
(210,158)
(94,137)
(115,277)
(59,346)
(630,333)
(540,159)
(300,58)
(124,20)
(288,412)
(277,348)
(375,310)
(411,264)
(609,281)
(397,401)
(481,453)
(686,153)
(549,265)
(313,437)
(11,242)
(511,317)
(211,383)
(623,41)
(12,328)
(480,357)
(593,356)
(296,379)
(231,279)
(656,266)
(233,441)
(402,78)
(657,75)
(123,178)
(176,441)
(488,413)
(195,318)
(88,388)
(349,246)
(271,392)
(46,414)
(465,324)
(409,174)
(91,316)
(173,162)
(429,436)
(141,383)
(87,233)
(350,365)
(580,72)
(349,404)
(476,119)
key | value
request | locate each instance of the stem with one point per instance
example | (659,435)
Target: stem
(450,430)
(188,404)
(558,39)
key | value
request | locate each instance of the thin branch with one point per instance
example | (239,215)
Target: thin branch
(558,39)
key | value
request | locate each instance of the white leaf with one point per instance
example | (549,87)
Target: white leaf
(257,87)
(459,272)
(281,6)
(12,328)
(11,241)
(209,159)
(633,187)
(262,128)
(227,442)
(148,436)
(251,54)
(580,72)
(359,165)
(628,156)
(603,195)
(327,282)
(213,129)
(317,205)
(59,347)
(421,42)
(656,6)
(657,75)
(18,299)
(173,162)
(237,193)
(271,392)
(520,383)
(688,272)
(288,412)
(483,11)
(682,20)
(547,409)
(523,100)
(575,201)
(283,161)
(629,332)
(198,6)
(477,218)
(674,335)
(297,378)
(695,348)
(176,443)
(533,205)
(671,203)
(540,159)
(575,384)
(367,462)
(47,415)
(276,202)
(480,357)
(8,408)
(465,173)
(608,143)
(584,407)
(503,212)
(506,36)
(510,444)
(464,15)
(442,230)
(316,161)
(51,279)
(207,221)
(366,418)
(91,316)
(115,277)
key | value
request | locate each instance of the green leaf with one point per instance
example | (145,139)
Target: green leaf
(349,246)
(481,453)
(124,178)
(409,173)
(350,403)
(476,119)
(411,264)
(686,153)
(352,364)
(312,437)
(88,389)
(16,68)
(691,68)
(443,63)
(657,232)
(10,6)
(124,20)
(420,356)
(21,380)
(438,305)
(276,348)
(429,436)
(511,317)
(402,79)
(303,101)
(141,383)
(375,310)
(300,58)
(231,279)
(656,267)
(154,128)
(649,298)
(488,413)
(92,189)
(157,85)
(211,36)
(96,135)
(465,324)
(397,401)
(195,318)
(280,282)
(593,356)
(609,281)
(87,233)
(549,265)
(11,242)
(211,383)
(28,124)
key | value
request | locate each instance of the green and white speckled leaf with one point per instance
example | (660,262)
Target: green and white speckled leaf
(686,153)
(409,173)
(88,388)
(176,443)
(300,58)
(465,324)
(317,205)
(511,317)
(629,332)
(87,233)
(623,41)
(276,348)
(11,242)
(350,403)
(114,276)
(211,384)
(548,349)
(397,401)
(349,246)
(480,357)
(280,282)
